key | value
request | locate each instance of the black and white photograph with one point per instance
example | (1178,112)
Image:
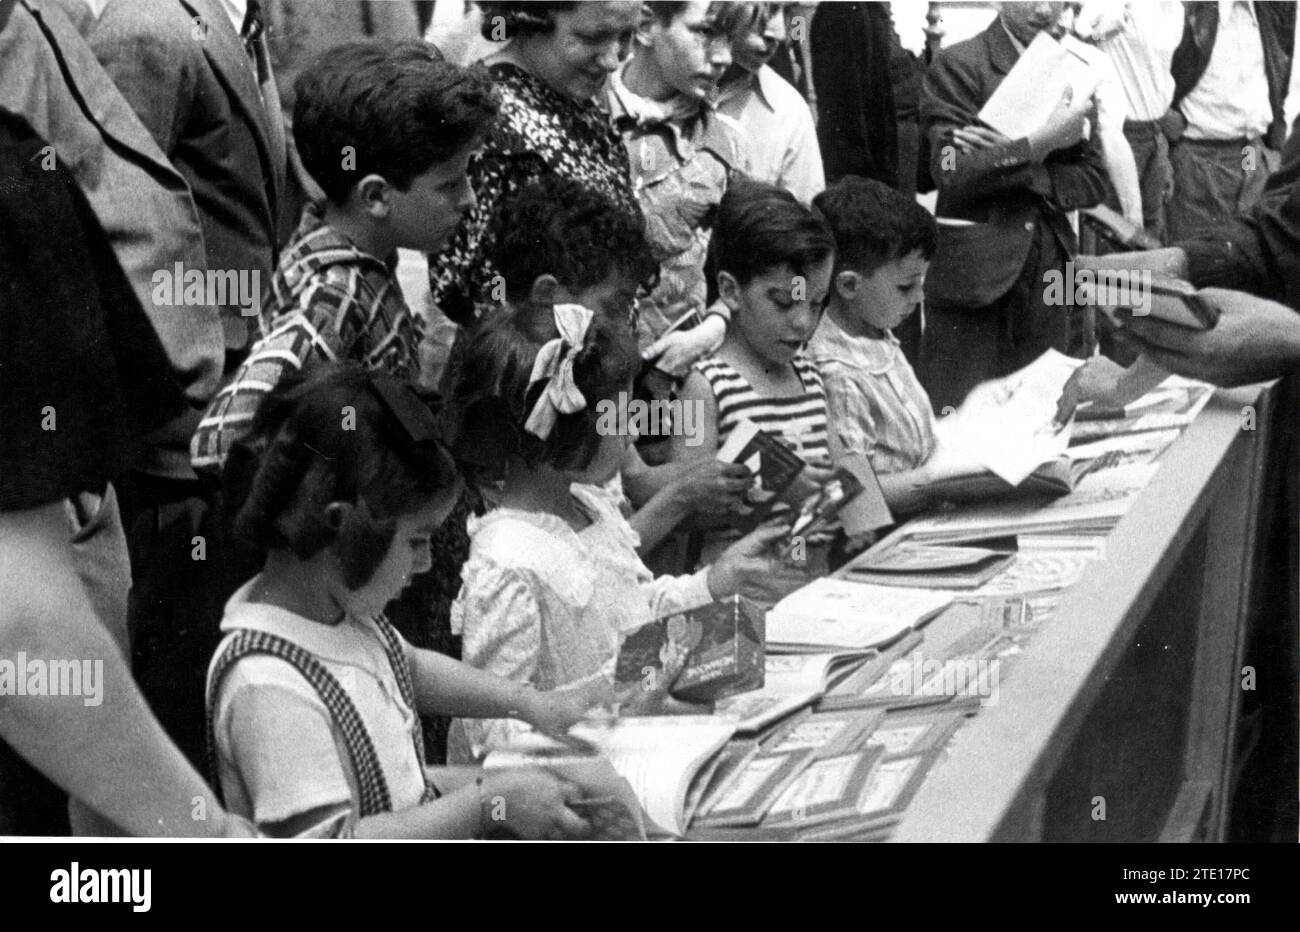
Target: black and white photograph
(507,422)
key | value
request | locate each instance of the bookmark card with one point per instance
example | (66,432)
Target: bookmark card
(828,789)
(867,510)
(892,785)
(754,789)
(775,467)
(826,734)
(904,734)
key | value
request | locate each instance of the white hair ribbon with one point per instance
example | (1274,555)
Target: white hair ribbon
(554,363)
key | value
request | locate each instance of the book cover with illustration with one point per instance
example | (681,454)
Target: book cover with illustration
(723,643)
(775,467)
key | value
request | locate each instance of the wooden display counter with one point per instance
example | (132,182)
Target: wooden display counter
(1118,721)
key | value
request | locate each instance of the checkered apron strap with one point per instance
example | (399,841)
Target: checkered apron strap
(402,671)
(361,750)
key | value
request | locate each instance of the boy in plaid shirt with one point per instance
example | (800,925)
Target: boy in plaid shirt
(392,167)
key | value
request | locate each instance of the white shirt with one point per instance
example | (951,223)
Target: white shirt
(783,148)
(1231,99)
(1140,42)
(237,10)
(280,753)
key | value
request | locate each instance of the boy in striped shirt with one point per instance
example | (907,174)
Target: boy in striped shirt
(773,259)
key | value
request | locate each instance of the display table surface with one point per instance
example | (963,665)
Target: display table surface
(1118,721)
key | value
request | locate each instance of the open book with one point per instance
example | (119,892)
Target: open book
(793,681)
(656,759)
(1005,427)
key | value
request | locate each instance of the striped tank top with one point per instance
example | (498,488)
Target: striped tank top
(799,420)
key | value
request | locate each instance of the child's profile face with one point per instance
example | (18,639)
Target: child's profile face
(425,216)
(607,462)
(776,313)
(892,293)
(690,52)
(408,556)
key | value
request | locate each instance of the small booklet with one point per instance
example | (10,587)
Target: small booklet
(827,734)
(897,561)
(775,467)
(837,614)
(751,791)
(829,790)
(908,732)
(722,643)
(1169,299)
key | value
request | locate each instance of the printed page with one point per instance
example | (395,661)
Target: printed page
(1006,426)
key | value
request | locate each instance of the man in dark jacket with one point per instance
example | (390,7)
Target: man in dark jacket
(198,75)
(1231,72)
(1002,210)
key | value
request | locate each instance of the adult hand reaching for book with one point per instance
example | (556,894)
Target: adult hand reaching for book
(1254,340)
(1107,384)
(1168,260)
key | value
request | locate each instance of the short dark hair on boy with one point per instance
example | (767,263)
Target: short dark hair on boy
(493,395)
(330,437)
(561,227)
(399,106)
(507,20)
(874,224)
(762,227)
(666,10)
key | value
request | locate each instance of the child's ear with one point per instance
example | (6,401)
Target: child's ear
(846,285)
(374,192)
(729,291)
(337,514)
(544,291)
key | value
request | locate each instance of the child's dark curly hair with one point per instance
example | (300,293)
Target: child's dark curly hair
(558,226)
(399,106)
(493,396)
(332,436)
(507,20)
(874,224)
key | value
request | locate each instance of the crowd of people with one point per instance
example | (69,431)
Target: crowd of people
(330,538)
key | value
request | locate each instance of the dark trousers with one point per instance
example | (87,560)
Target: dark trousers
(184,567)
(1155,174)
(1214,181)
(964,346)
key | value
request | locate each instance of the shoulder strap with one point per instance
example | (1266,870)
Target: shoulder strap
(402,671)
(361,750)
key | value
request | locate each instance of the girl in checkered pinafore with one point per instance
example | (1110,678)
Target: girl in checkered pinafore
(313,698)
